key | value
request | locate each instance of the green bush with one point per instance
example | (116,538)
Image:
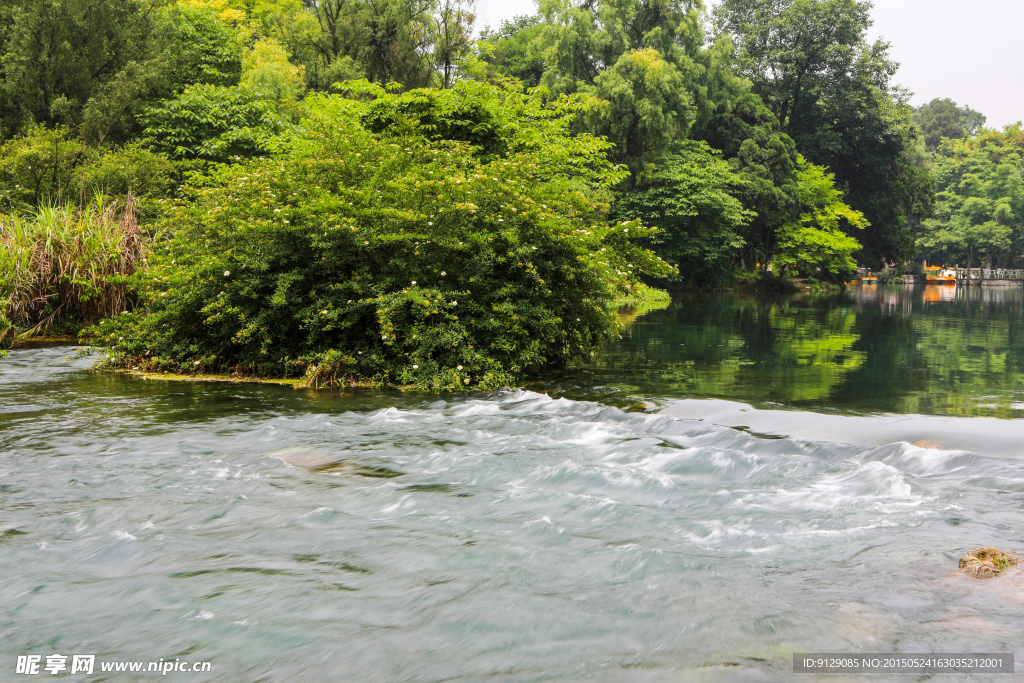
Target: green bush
(213,123)
(50,167)
(386,256)
(39,166)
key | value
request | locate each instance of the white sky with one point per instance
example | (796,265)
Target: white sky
(969,51)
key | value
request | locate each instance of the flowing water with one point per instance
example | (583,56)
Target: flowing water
(734,481)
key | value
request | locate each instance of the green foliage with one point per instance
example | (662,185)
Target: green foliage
(45,167)
(65,266)
(206,49)
(39,167)
(979,208)
(831,91)
(132,169)
(510,49)
(795,51)
(942,118)
(816,244)
(266,70)
(643,105)
(451,34)
(214,123)
(691,198)
(636,61)
(496,123)
(891,276)
(79,62)
(765,158)
(402,41)
(390,256)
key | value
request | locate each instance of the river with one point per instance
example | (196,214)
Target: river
(733,481)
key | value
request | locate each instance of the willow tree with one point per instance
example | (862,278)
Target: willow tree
(637,61)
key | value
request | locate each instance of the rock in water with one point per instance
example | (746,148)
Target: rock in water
(986,563)
(310,457)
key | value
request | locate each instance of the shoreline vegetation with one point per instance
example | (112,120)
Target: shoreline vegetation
(272,189)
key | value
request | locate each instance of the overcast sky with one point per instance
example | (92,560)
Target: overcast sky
(969,51)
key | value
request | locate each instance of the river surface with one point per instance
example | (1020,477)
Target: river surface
(734,481)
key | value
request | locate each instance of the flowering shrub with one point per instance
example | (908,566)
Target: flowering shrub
(384,256)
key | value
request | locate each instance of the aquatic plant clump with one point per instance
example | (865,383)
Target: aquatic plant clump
(381,257)
(66,266)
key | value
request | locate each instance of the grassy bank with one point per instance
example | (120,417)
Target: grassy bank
(64,267)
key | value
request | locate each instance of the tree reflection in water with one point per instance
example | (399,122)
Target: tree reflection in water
(931,350)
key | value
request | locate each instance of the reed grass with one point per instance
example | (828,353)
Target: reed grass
(63,266)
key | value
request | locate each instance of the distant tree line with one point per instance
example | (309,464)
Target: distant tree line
(760,133)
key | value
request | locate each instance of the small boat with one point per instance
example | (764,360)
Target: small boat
(940,276)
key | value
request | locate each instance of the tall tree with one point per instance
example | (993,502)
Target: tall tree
(452,28)
(636,60)
(511,49)
(979,208)
(692,199)
(815,243)
(831,91)
(943,118)
(794,50)
(65,61)
(749,136)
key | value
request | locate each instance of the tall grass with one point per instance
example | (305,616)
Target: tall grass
(64,266)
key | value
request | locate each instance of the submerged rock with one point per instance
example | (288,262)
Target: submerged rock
(317,459)
(986,563)
(310,457)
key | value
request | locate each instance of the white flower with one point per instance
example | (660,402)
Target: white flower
(384,337)
(443,273)
(414,282)
(415,367)
(324,311)
(227,272)
(466,380)
(430,222)
(455,303)
(458,367)
(277,210)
